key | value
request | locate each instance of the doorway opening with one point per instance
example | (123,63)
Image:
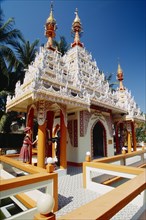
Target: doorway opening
(99,136)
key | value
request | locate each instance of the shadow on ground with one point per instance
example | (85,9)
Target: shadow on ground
(63,201)
(74,170)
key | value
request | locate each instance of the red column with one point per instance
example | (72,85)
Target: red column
(63,137)
(117,138)
(50,120)
(30,117)
(133,136)
(121,136)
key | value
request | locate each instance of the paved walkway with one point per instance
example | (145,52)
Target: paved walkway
(71,192)
(72,195)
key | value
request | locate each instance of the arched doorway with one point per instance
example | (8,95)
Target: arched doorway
(99,140)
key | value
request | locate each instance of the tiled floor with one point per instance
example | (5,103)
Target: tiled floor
(72,195)
(71,192)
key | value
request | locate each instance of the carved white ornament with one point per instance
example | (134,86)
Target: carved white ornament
(41,114)
(73,79)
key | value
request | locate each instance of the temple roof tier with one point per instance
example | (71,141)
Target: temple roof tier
(56,79)
(73,79)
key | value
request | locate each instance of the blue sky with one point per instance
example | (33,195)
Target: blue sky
(113,30)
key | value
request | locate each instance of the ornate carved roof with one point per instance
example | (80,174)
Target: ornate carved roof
(74,80)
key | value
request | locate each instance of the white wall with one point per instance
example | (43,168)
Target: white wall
(77,154)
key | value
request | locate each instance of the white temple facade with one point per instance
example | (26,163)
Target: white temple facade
(71,92)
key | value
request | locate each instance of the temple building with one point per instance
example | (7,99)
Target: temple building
(72,102)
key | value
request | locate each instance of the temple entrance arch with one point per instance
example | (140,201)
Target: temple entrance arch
(99,140)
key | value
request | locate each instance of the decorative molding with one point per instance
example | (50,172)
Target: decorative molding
(73,132)
(84,121)
(109,124)
(63,109)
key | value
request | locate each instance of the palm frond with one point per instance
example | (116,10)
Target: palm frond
(3,67)
(61,45)
(8,55)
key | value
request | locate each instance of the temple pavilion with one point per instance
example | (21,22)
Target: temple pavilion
(69,94)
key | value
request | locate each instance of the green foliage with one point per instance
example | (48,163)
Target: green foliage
(5,123)
(141,133)
(111,84)
(25,53)
(61,45)
(15,55)
(8,59)
(3,95)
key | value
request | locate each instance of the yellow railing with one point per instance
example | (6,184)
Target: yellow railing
(37,178)
(121,156)
(107,205)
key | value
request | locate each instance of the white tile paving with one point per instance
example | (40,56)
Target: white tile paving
(71,192)
(72,195)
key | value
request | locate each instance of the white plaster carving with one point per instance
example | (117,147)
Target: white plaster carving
(72,79)
(41,114)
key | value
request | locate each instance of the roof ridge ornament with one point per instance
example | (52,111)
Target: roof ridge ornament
(77,30)
(50,28)
(120,77)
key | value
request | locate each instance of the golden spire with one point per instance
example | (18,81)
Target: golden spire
(77,30)
(50,29)
(120,77)
(119,69)
(77,19)
(51,17)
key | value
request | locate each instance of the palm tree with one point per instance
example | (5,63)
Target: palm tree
(8,59)
(25,53)
(15,56)
(62,45)
(111,84)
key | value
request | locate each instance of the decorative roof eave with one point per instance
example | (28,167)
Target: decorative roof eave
(61,98)
(114,109)
(138,119)
(19,103)
(22,101)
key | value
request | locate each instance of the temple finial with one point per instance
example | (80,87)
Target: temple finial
(120,77)
(51,5)
(50,28)
(77,30)
(77,19)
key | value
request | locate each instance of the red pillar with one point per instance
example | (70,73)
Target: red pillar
(50,121)
(117,138)
(30,117)
(63,137)
(133,136)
